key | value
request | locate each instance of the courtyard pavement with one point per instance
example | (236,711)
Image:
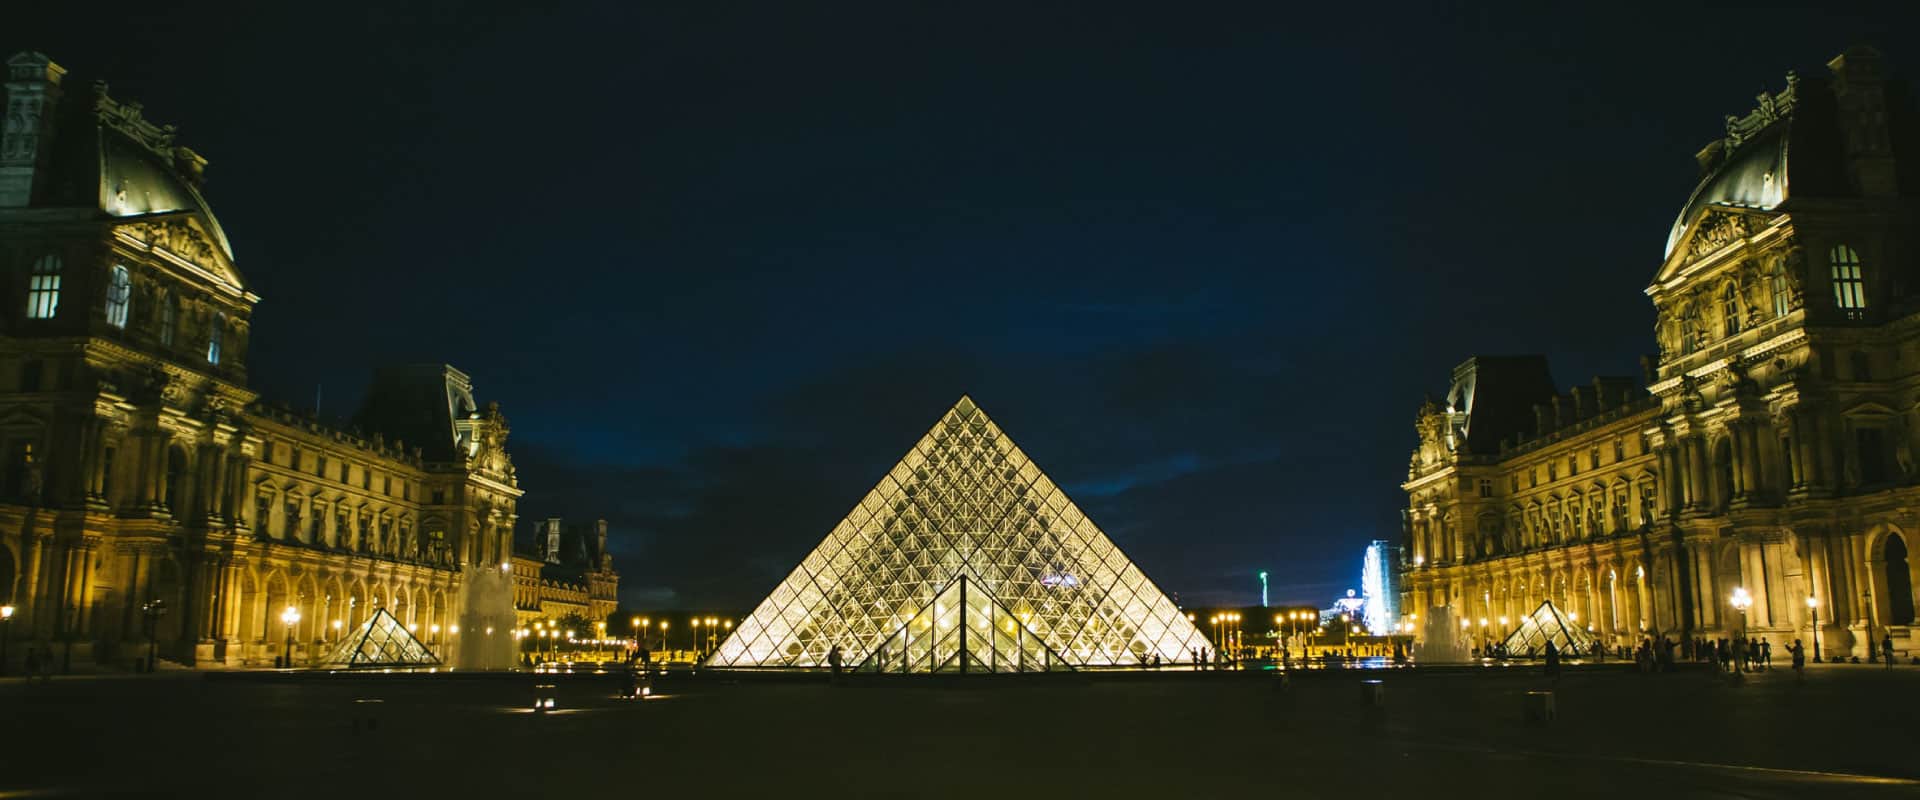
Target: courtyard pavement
(1847,731)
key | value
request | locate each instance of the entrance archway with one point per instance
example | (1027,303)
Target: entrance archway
(1899,581)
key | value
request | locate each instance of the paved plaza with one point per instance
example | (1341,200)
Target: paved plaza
(1848,731)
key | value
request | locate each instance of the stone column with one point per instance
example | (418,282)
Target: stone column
(1742,462)
(28,595)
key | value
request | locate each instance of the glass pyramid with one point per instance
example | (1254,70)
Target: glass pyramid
(963,511)
(1547,624)
(381,641)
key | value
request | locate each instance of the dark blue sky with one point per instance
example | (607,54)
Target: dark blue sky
(722,265)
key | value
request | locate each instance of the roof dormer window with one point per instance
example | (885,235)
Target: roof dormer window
(1849,282)
(43,288)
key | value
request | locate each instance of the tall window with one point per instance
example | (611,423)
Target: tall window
(1729,310)
(119,296)
(213,338)
(169,312)
(1782,302)
(1849,288)
(43,288)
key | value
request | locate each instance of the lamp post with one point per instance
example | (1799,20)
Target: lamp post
(1813,612)
(597,654)
(6,631)
(1741,602)
(290,616)
(152,610)
(693,636)
(663,643)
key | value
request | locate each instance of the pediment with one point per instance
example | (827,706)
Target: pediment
(1870,408)
(183,237)
(1715,230)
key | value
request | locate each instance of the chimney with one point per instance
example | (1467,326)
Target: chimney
(33,93)
(1860,91)
(1585,402)
(550,536)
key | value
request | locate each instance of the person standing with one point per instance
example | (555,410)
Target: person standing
(1766,654)
(1886,649)
(833,660)
(1799,655)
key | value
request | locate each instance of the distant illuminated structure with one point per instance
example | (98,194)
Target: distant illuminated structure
(965,558)
(1376,586)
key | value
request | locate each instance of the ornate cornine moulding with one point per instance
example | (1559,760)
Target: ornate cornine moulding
(1749,355)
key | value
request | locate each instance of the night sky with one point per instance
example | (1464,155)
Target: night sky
(721,264)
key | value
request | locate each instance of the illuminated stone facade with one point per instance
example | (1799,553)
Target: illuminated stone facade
(1772,449)
(138,471)
(565,571)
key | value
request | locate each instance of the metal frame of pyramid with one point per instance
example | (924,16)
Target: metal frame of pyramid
(964,631)
(1547,624)
(964,508)
(381,641)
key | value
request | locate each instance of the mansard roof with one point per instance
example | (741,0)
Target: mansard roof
(1793,144)
(108,159)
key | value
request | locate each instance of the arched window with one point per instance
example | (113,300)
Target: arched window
(119,296)
(43,288)
(213,338)
(169,315)
(1782,300)
(1849,287)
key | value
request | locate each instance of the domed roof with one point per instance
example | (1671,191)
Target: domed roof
(1754,176)
(135,182)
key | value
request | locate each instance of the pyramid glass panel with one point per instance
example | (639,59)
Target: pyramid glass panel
(381,641)
(1547,624)
(965,507)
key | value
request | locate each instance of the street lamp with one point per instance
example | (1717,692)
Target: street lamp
(290,616)
(1813,610)
(663,644)
(6,630)
(152,610)
(693,637)
(1741,602)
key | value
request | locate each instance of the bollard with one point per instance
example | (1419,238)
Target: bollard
(1373,694)
(1538,707)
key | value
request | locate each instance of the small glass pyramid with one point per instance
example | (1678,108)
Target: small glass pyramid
(381,641)
(964,511)
(1547,624)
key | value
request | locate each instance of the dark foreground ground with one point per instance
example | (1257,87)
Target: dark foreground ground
(1846,732)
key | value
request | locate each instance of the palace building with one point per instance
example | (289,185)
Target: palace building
(565,570)
(1769,458)
(147,499)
